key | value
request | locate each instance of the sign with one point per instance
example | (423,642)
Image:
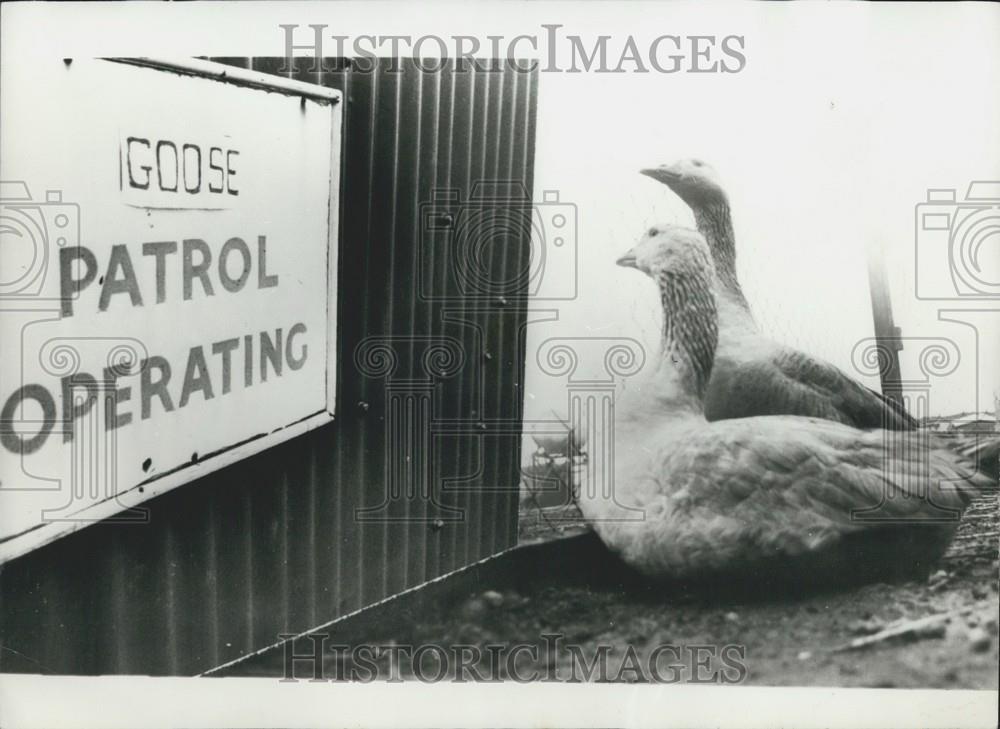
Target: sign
(167,280)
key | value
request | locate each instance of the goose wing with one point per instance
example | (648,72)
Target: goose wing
(769,487)
(822,467)
(788,382)
(984,451)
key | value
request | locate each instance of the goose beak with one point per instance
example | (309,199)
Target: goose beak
(661,174)
(627,261)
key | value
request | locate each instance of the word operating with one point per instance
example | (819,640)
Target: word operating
(139,390)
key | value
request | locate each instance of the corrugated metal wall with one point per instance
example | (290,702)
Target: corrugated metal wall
(312,530)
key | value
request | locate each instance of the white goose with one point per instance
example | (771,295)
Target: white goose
(735,495)
(754,375)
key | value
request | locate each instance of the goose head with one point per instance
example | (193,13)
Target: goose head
(696,182)
(669,251)
(679,262)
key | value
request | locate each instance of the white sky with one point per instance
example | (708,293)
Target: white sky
(827,140)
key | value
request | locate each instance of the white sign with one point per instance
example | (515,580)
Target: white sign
(167,280)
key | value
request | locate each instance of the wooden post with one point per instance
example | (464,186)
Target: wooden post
(887,333)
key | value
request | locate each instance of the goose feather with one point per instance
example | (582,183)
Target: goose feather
(754,375)
(692,497)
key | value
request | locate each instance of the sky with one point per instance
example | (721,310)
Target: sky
(826,142)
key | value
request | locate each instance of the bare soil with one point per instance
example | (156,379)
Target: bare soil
(563,582)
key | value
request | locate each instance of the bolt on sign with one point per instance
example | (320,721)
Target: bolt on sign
(167,280)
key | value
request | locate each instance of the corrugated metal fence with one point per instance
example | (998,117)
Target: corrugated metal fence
(418,474)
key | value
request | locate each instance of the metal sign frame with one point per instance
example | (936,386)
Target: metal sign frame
(47,531)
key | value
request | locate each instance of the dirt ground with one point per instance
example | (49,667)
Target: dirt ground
(563,582)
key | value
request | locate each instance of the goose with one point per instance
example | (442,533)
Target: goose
(986,453)
(753,374)
(752,496)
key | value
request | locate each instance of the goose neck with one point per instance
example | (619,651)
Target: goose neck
(689,338)
(714,221)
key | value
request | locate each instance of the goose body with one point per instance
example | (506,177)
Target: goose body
(753,374)
(693,497)
(986,453)
(735,495)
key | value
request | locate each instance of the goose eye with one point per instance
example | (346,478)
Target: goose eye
(698,163)
(653,232)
